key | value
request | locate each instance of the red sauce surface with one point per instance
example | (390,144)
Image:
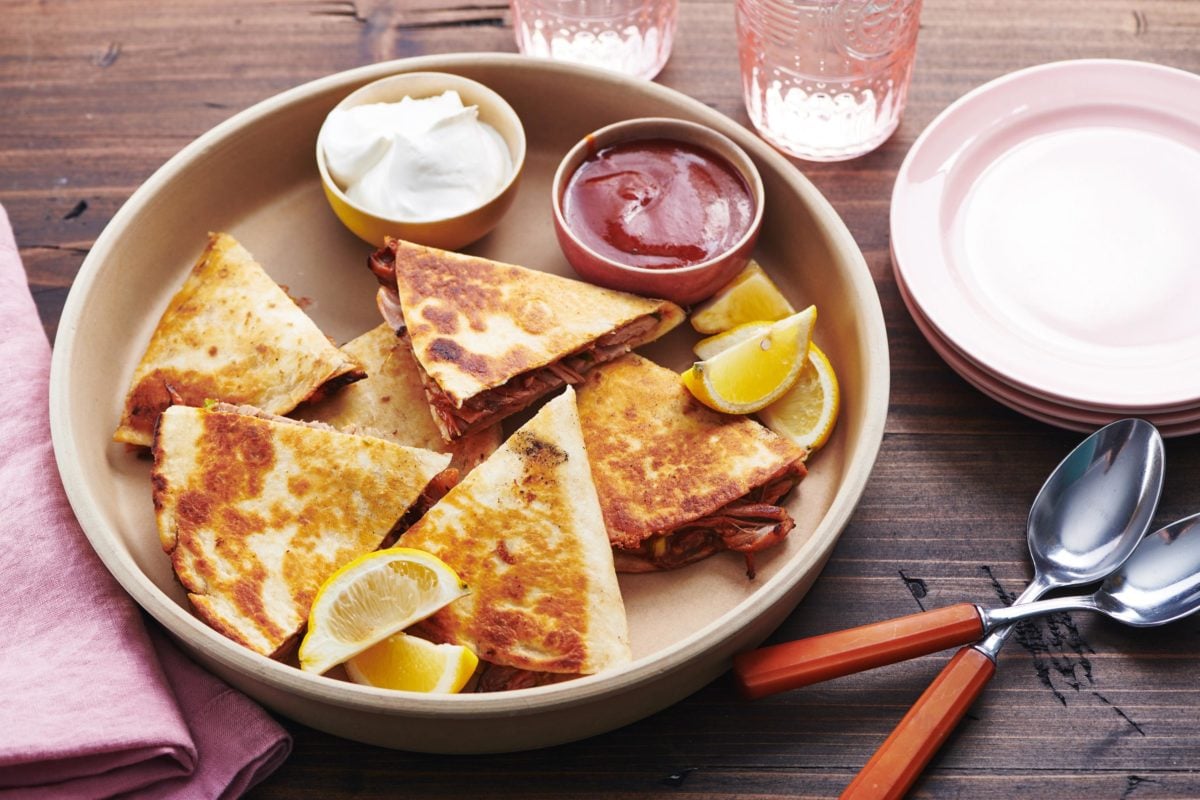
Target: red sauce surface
(657,203)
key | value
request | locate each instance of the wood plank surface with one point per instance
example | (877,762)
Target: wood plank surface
(94,96)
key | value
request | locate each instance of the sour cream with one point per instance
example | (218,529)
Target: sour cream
(417,160)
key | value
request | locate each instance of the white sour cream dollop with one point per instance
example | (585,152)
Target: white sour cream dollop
(416,160)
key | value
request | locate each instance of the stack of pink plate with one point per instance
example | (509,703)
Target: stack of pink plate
(1046,240)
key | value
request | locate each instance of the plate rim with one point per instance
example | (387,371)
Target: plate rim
(903,232)
(182,624)
(1038,408)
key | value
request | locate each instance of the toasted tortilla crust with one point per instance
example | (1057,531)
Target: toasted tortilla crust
(230,333)
(391,402)
(257,512)
(660,458)
(524,531)
(475,323)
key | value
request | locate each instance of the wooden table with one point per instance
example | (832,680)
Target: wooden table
(95,96)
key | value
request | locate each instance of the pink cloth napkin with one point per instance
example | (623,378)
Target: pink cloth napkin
(91,703)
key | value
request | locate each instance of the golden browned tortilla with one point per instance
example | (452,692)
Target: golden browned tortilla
(492,337)
(665,464)
(391,402)
(257,511)
(230,333)
(524,531)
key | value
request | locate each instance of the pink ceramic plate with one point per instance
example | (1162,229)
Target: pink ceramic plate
(1045,224)
(1176,423)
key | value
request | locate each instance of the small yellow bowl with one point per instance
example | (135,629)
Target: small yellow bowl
(448,233)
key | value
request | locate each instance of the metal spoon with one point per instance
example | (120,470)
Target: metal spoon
(894,767)
(1084,522)
(1160,583)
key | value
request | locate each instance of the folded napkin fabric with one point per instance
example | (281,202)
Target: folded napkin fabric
(92,704)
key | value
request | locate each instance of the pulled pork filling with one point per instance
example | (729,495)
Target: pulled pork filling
(747,525)
(496,678)
(437,488)
(518,392)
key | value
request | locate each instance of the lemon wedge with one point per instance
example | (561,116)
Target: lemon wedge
(708,347)
(807,412)
(411,664)
(371,598)
(750,297)
(756,371)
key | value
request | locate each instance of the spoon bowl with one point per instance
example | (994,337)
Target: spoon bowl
(1096,505)
(1160,583)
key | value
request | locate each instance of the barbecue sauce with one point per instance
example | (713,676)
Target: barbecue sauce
(657,204)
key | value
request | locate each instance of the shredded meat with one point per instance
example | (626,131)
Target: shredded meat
(747,525)
(388,303)
(564,373)
(438,486)
(434,491)
(518,392)
(496,678)
(254,411)
(383,263)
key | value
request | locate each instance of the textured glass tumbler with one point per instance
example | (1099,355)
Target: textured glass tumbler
(826,80)
(633,37)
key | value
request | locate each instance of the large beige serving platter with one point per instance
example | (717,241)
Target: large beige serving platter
(254,177)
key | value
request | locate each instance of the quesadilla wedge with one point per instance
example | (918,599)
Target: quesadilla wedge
(524,530)
(256,511)
(491,338)
(678,481)
(230,333)
(390,402)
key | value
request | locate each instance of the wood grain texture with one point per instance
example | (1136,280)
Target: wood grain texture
(95,96)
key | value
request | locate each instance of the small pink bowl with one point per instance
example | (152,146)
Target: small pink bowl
(684,285)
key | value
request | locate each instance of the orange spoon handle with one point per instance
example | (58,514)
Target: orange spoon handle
(899,760)
(818,658)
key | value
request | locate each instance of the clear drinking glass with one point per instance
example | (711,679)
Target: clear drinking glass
(629,36)
(826,80)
